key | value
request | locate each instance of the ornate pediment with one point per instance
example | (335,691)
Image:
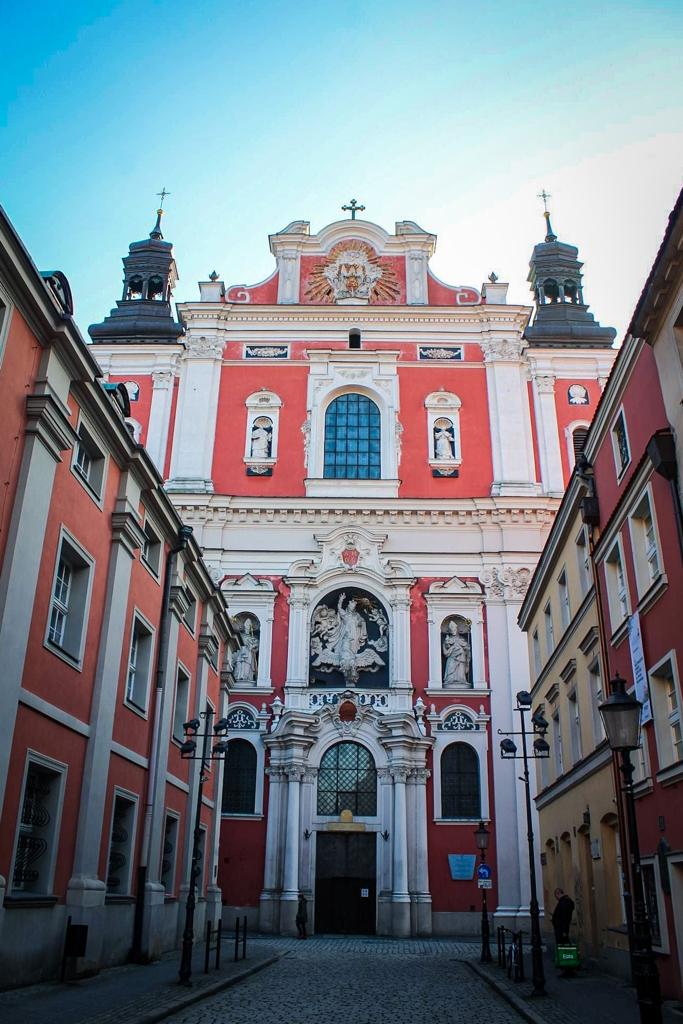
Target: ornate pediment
(455,586)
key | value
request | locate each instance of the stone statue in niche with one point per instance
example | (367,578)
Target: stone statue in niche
(443,440)
(262,438)
(340,640)
(245,660)
(456,647)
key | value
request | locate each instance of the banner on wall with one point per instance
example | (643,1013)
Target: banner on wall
(635,642)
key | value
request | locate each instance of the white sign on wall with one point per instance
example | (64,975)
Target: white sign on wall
(635,642)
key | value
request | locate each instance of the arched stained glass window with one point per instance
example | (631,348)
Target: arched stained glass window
(460,789)
(239,778)
(352,439)
(347,781)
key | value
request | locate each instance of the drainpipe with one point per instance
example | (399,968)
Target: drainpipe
(182,541)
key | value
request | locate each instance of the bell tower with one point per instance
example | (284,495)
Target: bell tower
(561,316)
(143,313)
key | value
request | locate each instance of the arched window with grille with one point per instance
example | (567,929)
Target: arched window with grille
(460,785)
(579,435)
(347,781)
(352,439)
(239,778)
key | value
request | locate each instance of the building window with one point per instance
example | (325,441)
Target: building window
(89,461)
(168,853)
(565,609)
(182,697)
(597,697)
(666,701)
(201,860)
(549,629)
(139,663)
(4,322)
(536,647)
(347,781)
(460,784)
(617,593)
(70,598)
(190,616)
(239,778)
(119,869)
(583,559)
(352,439)
(38,830)
(620,445)
(644,542)
(557,744)
(579,435)
(151,548)
(574,726)
(652,903)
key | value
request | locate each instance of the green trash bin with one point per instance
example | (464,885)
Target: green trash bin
(567,956)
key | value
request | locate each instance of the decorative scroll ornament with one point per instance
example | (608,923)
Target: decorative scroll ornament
(506,583)
(458,721)
(340,640)
(265,352)
(241,719)
(352,272)
(439,353)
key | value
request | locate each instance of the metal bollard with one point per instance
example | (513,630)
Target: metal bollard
(244,938)
(237,938)
(219,933)
(207,951)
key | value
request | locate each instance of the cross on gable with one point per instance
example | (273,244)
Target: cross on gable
(354,207)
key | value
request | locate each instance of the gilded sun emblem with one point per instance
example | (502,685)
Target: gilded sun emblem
(352,273)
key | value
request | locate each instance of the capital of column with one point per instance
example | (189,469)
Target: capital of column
(545,384)
(294,772)
(502,349)
(399,774)
(162,379)
(202,347)
(420,776)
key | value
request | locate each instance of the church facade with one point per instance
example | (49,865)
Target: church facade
(371,460)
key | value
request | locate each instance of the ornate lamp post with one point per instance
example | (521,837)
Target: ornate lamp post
(508,749)
(188,751)
(481,836)
(620,714)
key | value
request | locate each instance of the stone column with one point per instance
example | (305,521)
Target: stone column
(269,902)
(297,647)
(512,448)
(160,417)
(384,849)
(86,891)
(214,896)
(48,434)
(290,881)
(400,897)
(195,422)
(550,456)
(288,265)
(423,896)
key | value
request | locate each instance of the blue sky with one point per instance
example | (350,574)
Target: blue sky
(257,113)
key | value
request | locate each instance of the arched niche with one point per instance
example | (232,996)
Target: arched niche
(245,658)
(456,652)
(349,640)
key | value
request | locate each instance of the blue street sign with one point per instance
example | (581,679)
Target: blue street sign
(461,866)
(483,871)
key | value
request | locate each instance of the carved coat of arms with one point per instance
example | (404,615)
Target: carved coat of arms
(353,273)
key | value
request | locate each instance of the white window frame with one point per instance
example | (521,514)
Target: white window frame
(477,738)
(645,579)
(89,441)
(190,616)
(575,726)
(619,469)
(178,737)
(569,439)
(549,629)
(445,599)
(201,878)
(618,597)
(262,403)
(253,736)
(563,592)
(255,598)
(664,719)
(132,798)
(61,769)
(149,628)
(175,816)
(583,559)
(558,753)
(663,946)
(443,404)
(5,320)
(154,570)
(82,611)
(597,695)
(536,651)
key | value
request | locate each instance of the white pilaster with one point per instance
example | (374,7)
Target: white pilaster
(548,434)
(422,894)
(290,881)
(195,423)
(270,896)
(400,897)
(160,416)
(510,417)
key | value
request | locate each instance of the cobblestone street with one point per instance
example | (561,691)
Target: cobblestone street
(359,981)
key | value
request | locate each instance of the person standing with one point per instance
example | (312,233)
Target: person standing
(562,917)
(302,916)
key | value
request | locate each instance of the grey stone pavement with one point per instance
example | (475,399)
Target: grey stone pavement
(354,980)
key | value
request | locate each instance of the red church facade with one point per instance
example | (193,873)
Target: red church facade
(370,460)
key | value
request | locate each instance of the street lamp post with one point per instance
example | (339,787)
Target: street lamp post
(481,835)
(621,714)
(508,749)
(188,751)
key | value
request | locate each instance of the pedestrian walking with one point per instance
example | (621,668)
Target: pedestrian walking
(562,917)
(302,916)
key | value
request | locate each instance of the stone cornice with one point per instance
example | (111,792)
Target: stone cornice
(47,419)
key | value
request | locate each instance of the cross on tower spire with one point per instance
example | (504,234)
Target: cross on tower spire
(354,208)
(550,236)
(163,195)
